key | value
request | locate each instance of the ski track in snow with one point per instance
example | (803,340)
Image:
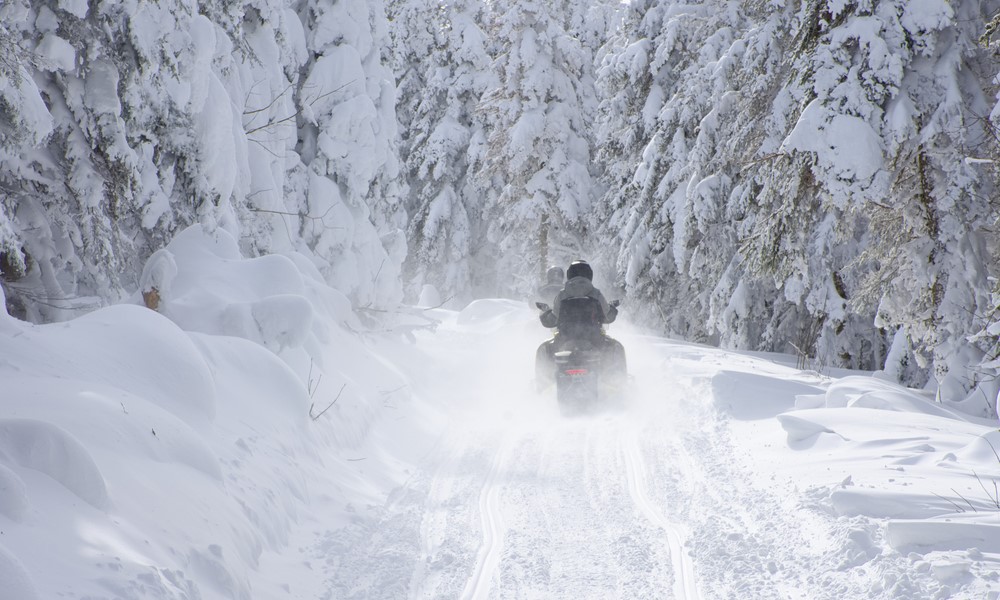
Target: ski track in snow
(522,503)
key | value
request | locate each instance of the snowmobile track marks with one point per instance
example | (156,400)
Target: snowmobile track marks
(491,517)
(685,582)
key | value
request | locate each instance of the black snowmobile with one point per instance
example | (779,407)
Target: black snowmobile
(587,367)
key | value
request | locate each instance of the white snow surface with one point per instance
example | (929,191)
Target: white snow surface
(846,145)
(253,441)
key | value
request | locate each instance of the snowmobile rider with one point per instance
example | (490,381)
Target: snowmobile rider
(579,284)
(586,312)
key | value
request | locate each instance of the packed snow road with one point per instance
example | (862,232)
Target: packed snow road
(539,509)
(655,500)
(557,512)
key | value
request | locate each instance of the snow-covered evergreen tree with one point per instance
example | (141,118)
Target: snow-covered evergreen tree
(123,122)
(801,234)
(355,218)
(536,170)
(667,106)
(765,161)
(443,68)
(890,112)
(64,171)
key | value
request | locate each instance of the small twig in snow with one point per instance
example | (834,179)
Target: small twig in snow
(328,406)
(309,385)
(951,502)
(966,500)
(994,498)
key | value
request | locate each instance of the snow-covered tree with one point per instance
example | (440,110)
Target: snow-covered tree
(349,171)
(536,171)
(668,104)
(443,68)
(890,111)
(782,174)
(123,122)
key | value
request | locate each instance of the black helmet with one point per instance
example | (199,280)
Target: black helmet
(554,274)
(579,268)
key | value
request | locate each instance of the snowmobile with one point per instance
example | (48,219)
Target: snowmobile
(586,366)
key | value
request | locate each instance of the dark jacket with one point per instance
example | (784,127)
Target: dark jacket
(579,287)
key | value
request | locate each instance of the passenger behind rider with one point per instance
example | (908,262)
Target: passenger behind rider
(579,284)
(554,279)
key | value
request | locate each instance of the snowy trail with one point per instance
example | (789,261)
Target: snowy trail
(659,500)
(520,502)
(557,518)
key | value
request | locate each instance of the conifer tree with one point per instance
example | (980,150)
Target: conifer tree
(535,170)
(443,68)
(124,122)
(347,146)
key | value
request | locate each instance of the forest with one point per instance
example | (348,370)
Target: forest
(814,177)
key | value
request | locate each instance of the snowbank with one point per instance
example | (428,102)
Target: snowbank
(884,459)
(164,453)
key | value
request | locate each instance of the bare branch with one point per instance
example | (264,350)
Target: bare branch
(315,417)
(951,502)
(294,115)
(276,98)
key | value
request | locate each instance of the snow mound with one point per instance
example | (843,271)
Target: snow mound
(279,409)
(158,273)
(45,448)
(16,581)
(749,396)
(13,496)
(852,502)
(870,392)
(172,451)
(275,322)
(151,358)
(429,296)
(205,285)
(983,450)
(800,429)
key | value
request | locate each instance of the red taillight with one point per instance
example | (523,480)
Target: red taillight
(575,371)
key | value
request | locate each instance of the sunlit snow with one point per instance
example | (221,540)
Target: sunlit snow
(253,440)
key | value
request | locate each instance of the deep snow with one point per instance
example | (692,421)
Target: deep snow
(175,455)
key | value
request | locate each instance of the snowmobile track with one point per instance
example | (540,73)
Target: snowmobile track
(491,517)
(685,582)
